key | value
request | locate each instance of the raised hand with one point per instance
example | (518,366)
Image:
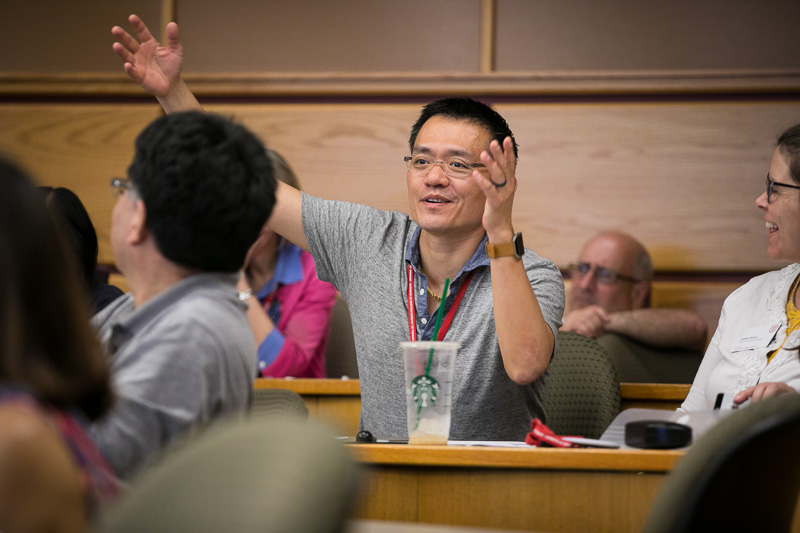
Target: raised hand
(156,68)
(499,185)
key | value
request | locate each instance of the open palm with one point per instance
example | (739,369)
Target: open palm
(155,68)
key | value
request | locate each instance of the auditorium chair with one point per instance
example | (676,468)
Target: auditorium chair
(582,390)
(247,475)
(743,474)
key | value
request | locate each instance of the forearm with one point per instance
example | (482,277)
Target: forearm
(287,217)
(526,340)
(260,323)
(661,327)
(180,98)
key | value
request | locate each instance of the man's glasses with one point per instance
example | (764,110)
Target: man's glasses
(604,275)
(771,184)
(120,186)
(454,167)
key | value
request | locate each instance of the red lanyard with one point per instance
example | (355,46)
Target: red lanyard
(412,313)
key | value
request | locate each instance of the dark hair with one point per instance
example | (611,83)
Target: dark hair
(465,109)
(789,144)
(208,188)
(77,226)
(46,343)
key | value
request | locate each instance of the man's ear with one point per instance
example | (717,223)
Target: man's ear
(641,294)
(137,229)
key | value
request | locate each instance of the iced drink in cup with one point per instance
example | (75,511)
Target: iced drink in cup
(429,368)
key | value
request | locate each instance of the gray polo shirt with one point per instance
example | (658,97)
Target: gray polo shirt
(364,253)
(182,359)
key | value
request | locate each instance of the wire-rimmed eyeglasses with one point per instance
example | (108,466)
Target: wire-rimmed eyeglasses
(771,184)
(454,167)
(120,186)
(604,275)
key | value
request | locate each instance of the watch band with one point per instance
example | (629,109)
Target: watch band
(503,249)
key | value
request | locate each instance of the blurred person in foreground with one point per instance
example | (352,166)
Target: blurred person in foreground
(198,192)
(54,377)
(82,236)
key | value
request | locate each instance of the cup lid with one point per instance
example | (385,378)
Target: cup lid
(427,345)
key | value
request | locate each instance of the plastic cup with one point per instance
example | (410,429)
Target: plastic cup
(429,368)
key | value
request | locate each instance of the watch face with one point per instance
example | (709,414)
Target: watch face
(519,248)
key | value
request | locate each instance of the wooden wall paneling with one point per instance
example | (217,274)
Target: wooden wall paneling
(53,36)
(680,176)
(351,152)
(330,36)
(78,146)
(580,35)
(706,298)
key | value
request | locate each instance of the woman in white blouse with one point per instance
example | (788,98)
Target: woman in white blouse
(755,352)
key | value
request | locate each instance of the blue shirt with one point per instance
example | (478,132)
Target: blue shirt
(478,259)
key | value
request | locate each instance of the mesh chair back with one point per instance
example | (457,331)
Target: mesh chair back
(248,475)
(743,474)
(278,402)
(582,389)
(340,355)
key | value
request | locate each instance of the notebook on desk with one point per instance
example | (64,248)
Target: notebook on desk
(699,421)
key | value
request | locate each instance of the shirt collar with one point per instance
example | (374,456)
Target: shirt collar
(129,320)
(288,269)
(479,257)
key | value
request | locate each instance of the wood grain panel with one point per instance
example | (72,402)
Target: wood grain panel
(55,36)
(660,34)
(311,35)
(705,298)
(351,152)
(78,146)
(541,501)
(682,177)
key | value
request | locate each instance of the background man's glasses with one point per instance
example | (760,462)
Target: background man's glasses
(771,184)
(604,275)
(454,167)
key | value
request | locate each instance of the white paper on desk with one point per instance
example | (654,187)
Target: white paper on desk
(699,421)
(490,443)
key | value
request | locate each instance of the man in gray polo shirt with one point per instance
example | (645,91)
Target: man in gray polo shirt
(200,188)
(391,267)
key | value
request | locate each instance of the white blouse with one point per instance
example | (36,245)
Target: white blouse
(761,302)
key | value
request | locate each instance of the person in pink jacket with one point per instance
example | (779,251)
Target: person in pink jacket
(289,309)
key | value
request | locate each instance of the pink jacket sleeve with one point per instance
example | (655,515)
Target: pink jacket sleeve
(306,308)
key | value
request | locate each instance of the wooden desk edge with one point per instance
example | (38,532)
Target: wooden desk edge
(352,387)
(533,458)
(654,391)
(312,386)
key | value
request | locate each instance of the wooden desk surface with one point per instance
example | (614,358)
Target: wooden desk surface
(527,458)
(543,489)
(339,401)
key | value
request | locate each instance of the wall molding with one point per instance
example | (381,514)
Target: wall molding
(418,83)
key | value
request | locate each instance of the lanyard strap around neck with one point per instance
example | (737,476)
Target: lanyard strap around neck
(412,315)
